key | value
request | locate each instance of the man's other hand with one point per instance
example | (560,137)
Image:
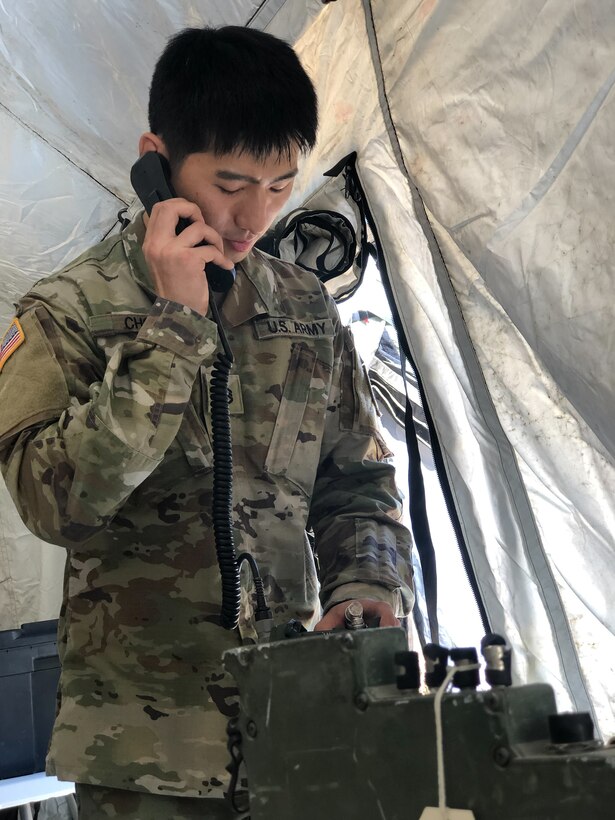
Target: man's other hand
(372,611)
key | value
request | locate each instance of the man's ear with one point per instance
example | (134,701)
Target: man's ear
(152,142)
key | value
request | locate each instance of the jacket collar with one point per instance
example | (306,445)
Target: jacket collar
(132,237)
(254,292)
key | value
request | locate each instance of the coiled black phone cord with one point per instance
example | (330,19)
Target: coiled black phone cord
(223,479)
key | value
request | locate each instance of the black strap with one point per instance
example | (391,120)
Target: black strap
(420,522)
(353,191)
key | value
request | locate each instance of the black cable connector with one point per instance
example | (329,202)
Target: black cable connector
(262,610)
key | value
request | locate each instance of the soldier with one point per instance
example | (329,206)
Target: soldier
(105,439)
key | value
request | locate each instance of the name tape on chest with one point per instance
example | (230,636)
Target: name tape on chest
(276,326)
(108,324)
(12,339)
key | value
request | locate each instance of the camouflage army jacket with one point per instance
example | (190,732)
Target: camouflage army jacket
(105,441)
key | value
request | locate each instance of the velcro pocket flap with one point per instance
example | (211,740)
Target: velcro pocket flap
(292,409)
(32,384)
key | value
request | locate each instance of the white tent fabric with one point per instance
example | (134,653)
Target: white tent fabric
(483,133)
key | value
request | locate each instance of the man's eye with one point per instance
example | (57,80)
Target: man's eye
(228,191)
(278,190)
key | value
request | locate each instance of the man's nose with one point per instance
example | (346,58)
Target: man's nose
(255,214)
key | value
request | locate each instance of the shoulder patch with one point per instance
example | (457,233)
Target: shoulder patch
(11,340)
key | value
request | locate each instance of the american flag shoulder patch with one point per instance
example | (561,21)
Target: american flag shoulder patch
(11,340)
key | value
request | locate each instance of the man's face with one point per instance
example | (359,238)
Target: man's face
(239,196)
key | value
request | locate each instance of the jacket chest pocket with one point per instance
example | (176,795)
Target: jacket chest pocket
(195,442)
(294,449)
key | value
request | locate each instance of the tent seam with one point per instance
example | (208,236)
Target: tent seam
(258,11)
(58,151)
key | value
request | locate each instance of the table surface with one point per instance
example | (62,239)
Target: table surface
(32,788)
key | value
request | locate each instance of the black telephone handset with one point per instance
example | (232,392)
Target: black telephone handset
(151,178)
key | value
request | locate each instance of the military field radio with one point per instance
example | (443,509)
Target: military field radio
(339,725)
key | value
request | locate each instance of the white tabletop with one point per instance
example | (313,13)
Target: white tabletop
(32,788)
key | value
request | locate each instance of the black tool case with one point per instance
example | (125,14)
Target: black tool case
(29,673)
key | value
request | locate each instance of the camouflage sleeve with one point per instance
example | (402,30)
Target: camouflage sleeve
(363,548)
(78,436)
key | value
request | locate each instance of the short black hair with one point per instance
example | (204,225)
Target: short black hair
(231,88)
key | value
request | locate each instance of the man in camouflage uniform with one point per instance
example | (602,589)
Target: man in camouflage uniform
(106,446)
